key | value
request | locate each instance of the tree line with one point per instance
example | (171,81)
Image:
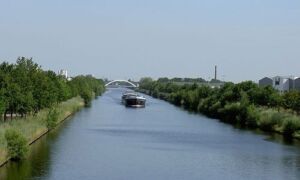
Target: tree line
(25,88)
(186,80)
(245,104)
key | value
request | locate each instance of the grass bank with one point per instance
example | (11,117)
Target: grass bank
(33,127)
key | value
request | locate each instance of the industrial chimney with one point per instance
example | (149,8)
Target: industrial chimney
(215,72)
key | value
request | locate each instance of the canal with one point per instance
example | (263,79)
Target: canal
(159,142)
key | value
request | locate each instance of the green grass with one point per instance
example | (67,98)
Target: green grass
(291,125)
(269,119)
(283,122)
(34,126)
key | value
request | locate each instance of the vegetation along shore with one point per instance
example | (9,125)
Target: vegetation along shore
(244,104)
(34,101)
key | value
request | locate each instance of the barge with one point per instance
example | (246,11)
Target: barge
(132,99)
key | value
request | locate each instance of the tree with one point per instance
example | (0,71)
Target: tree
(87,96)
(163,80)
(145,83)
(26,88)
(2,106)
(291,100)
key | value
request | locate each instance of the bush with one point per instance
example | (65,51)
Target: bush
(252,116)
(52,118)
(290,126)
(155,93)
(231,112)
(204,105)
(214,109)
(266,121)
(87,96)
(278,118)
(16,144)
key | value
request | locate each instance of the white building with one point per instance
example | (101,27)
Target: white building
(63,73)
(281,83)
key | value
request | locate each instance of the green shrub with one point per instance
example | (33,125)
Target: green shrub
(230,112)
(155,93)
(16,144)
(266,122)
(252,116)
(87,96)
(214,109)
(52,118)
(290,126)
(278,118)
(203,106)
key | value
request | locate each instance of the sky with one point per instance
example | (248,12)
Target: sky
(118,39)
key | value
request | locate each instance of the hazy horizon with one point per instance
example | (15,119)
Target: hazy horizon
(132,39)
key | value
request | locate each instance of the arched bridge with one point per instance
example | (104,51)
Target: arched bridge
(130,84)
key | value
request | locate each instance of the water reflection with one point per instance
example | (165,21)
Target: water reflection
(32,167)
(36,163)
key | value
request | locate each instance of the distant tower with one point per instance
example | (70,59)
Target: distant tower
(63,73)
(216,72)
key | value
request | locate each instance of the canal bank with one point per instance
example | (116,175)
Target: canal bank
(242,113)
(34,127)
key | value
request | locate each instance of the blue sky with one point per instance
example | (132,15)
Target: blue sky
(132,39)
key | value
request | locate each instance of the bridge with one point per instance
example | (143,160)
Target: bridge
(117,83)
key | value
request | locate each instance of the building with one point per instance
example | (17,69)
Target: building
(281,83)
(297,84)
(63,73)
(265,82)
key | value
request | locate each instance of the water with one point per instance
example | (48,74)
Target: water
(109,141)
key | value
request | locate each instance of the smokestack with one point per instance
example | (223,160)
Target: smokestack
(215,72)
